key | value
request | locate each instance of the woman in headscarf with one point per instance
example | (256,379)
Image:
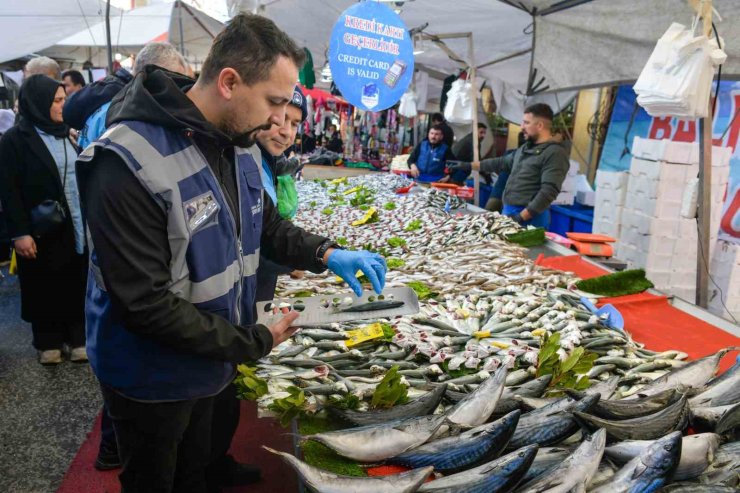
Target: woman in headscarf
(37,169)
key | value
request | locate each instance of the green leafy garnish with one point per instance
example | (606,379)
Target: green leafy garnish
(327,211)
(423,292)
(312,203)
(394,263)
(413,225)
(389,206)
(289,407)
(248,385)
(364,207)
(566,374)
(390,391)
(348,401)
(342,241)
(388,332)
(396,242)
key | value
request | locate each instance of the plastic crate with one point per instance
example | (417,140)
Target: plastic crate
(576,218)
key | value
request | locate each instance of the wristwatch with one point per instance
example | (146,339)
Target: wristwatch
(323,248)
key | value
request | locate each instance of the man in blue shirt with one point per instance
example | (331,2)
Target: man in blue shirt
(428,159)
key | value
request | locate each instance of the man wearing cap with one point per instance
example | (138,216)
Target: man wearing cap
(277,172)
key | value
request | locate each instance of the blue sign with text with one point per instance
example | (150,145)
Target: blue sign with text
(371,56)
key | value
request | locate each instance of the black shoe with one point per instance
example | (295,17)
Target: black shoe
(233,473)
(107,458)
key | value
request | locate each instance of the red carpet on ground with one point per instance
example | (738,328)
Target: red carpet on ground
(246,447)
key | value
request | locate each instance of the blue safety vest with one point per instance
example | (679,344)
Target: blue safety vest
(213,266)
(431,162)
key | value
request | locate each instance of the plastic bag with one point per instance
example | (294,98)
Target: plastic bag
(677,79)
(407,107)
(287,197)
(459,108)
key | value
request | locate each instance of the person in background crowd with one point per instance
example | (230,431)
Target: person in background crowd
(334,143)
(173,201)
(37,167)
(536,170)
(448,133)
(273,143)
(87,109)
(73,81)
(42,65)
(429,158)
(7,120)
(463,151)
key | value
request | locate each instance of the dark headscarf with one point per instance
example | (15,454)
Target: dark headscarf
(34,105)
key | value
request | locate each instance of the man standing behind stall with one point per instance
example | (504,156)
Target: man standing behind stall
(177,219)
(463,151)
(429,158)
(537,169)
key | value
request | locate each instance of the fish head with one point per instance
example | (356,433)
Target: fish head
(587,402)
(663,455)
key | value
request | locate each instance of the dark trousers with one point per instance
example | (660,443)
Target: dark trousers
(226,409)
(164,447)
(49,334)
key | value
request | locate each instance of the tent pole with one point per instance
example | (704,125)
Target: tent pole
(474,96)
(179,22)
(704,219)
(107,37)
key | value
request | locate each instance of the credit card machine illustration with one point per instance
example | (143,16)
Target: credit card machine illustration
(394,73)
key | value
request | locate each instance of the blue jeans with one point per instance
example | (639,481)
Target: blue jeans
(539,221)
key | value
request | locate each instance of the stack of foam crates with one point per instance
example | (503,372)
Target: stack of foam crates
(567,194)
(611,192)
(653,235)
(724,291)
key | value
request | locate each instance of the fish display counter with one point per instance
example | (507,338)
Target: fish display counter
(505,379)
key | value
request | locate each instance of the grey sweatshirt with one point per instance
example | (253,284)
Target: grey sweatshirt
(536,174)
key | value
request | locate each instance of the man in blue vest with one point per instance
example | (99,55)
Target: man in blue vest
(177,221)
(429,158)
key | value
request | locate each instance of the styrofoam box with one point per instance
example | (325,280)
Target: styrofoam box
(659,262)
(661,279)
(683,278)
(610,198)
(565,198)
(665,150)
(569,184)
(574,167)
(606,228)
(611,180)
(586,197)
(686,293)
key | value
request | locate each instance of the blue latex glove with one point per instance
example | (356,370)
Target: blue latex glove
(346,263)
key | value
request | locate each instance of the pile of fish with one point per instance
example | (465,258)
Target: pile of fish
(479,413)
(501,438)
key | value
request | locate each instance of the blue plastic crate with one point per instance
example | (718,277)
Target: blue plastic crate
(575,218)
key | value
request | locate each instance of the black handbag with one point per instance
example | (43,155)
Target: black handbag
(49,216)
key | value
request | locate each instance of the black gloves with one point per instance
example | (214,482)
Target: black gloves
(287,166)
(518,218)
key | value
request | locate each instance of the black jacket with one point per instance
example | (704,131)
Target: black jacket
(50,284)
(87,100)
(129,230)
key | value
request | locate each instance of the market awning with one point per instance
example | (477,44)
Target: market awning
(31,25)
(131,30)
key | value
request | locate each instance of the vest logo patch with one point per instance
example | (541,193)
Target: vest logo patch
(257,208)
(201,211)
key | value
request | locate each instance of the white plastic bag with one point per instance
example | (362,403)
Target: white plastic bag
(407,107)
(677,79)
(459,108)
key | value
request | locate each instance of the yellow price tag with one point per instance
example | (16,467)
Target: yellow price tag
(368,216)
(351,190)
(481,335)
(367,333)
(538,332)
(337,181)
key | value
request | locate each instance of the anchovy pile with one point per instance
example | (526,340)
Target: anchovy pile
(478,416)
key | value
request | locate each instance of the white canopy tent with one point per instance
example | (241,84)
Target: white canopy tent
(28,26)
(188,28)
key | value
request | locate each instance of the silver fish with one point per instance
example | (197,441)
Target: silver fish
(697,453)
(720,419)
(419,407)
(498,476)
(650,470)
(723,390)
(634,408)
(575,472)
(375,443)
(477,407)
(327,482)
(672,418)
